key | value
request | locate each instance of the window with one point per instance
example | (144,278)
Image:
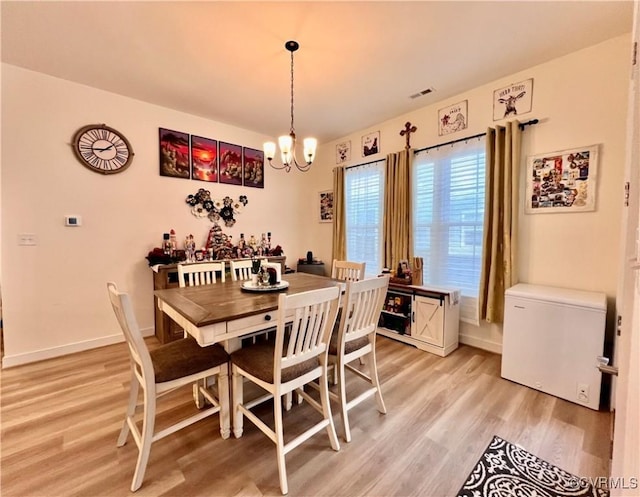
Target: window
(448,217)
(364,193)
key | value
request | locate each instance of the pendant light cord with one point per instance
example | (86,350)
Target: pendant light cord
(292,131)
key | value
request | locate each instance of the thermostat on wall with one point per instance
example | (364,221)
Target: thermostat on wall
(72,221)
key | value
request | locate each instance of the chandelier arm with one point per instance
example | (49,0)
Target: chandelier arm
(286,167)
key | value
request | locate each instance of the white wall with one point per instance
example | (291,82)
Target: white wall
(581,100)
(54,297)
(54,294)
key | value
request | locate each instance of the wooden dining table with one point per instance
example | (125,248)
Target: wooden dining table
(225,312)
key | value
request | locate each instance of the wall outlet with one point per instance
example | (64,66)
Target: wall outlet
(582,392)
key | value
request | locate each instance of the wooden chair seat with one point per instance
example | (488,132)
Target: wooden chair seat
(349,347)
(257,360)
(185,357)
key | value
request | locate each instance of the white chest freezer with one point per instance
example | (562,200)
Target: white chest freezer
(552,338)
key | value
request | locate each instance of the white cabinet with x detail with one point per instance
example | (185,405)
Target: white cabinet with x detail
(434,318)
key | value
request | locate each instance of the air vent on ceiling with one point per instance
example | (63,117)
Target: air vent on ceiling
(422,93)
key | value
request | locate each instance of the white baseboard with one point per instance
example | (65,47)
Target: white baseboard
(480,343)
(62,350)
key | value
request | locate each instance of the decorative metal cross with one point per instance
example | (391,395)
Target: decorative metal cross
(408,129)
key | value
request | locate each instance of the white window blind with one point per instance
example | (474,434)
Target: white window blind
(364,192)
(448,204)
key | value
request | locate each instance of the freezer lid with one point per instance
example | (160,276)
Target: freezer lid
(581,298)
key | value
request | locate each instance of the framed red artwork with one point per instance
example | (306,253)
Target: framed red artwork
(230,164)
(174,153)
(204,159)
(253,167)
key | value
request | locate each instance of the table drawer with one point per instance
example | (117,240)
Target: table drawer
(253,323)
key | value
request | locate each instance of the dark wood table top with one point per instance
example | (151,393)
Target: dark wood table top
(209,304)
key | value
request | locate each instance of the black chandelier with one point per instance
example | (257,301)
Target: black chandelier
(287,143)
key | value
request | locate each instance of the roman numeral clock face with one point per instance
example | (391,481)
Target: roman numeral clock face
(102,149)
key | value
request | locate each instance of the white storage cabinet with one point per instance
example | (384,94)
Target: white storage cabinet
(427,318)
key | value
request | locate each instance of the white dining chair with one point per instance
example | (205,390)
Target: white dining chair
(298,356)
(356,339)
(347,270)
(200,273)
(160,371)
(241,270)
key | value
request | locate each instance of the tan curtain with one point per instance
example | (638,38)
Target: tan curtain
(339,249)
(499,270)
(396,228)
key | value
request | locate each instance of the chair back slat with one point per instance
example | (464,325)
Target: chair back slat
(307,336)
(138,352)
(202,273)
(362,306)
(347,270)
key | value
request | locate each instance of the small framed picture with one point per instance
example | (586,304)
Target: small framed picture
(174,153)
(230,164)
(453,118)
(204,159)
(371,144)
(513,100)
(343,152)
(253,167)
(563,181)
(325,211)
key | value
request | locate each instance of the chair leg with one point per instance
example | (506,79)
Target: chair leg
(148,425)
(131,410)
(288,401)
(223,399)
(326,408)
(342,393)
(279,432)
(198,398)
(236,387)
(373,374)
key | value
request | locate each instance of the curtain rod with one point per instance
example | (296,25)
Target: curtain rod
(521,126)
(364,164)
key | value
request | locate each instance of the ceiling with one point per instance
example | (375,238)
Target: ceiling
(357,65)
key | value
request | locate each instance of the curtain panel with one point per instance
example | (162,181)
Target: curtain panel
(397,220)
(339,247)
(499,270)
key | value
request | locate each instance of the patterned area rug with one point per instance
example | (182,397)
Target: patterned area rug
(505,470)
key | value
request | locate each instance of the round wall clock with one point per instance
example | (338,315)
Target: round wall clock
(102,149)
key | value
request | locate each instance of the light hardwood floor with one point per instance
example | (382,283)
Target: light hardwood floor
(61,418)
